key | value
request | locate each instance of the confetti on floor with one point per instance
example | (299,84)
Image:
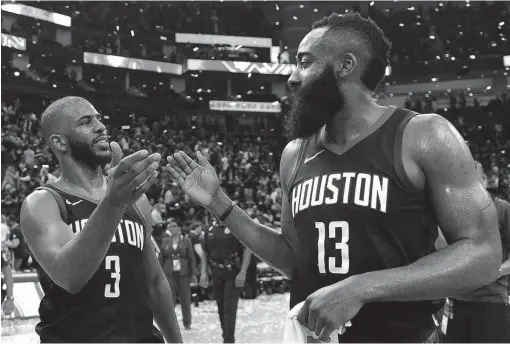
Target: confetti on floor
(258,321)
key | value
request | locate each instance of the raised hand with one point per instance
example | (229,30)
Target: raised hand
(199,182)
(131,177)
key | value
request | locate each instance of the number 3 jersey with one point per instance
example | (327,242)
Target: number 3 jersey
(113,305)
(354,212)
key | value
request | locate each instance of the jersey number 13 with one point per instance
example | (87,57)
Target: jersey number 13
(332,267)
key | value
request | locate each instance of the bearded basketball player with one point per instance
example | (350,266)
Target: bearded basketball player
(365,188)
(98,269)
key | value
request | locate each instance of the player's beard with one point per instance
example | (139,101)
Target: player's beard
(82,152)
(314,105)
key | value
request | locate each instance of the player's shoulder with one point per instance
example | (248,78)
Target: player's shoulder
(428,125)
(38,202)
(427,134)
(291,150)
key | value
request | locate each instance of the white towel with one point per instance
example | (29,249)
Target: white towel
(296,333)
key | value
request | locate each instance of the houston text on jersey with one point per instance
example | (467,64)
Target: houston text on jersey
(370,190)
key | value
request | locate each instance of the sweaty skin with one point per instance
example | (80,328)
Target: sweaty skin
(435,158)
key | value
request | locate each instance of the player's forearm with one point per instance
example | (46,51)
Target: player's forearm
(80,258)
(505,268)
(266,243)
(246,260)
(456,269)
(162,307)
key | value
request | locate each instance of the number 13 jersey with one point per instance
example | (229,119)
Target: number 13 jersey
(114,304)
(354,213)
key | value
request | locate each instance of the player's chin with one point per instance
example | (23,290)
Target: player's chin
(104,156)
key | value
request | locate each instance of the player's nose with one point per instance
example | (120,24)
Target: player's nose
(293,81)
(99,127)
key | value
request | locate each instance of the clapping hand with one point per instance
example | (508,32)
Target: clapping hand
(198,181)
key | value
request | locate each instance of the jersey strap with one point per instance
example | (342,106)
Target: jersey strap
(397,153)
(60,202)
(300,158)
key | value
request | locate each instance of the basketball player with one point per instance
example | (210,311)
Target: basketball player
(100,274)
(365,188)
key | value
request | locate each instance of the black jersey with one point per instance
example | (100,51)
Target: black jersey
(354,213)
(113,305)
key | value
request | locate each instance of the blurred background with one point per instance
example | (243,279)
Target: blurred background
(211,76)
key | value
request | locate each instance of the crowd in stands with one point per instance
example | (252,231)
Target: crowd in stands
(247,164)
(448,31)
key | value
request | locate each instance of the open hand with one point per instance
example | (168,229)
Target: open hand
(130,177)
(199,182)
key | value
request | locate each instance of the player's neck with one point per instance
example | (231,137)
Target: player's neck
(82,178)
(358,114)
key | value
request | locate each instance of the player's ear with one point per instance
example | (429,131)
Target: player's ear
(344,65)
(58,142)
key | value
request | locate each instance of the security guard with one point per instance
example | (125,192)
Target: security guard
(229,261)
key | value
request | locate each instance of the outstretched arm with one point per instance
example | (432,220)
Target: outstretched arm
(202,186)
(266,243)
(161,301)
(466,214)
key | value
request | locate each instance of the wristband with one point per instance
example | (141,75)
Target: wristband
(227,212)
(9,297)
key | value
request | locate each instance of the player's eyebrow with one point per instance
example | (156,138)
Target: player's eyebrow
(88,117)
(300,55)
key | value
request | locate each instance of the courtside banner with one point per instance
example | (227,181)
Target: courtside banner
(225,105)
(37,13)
(14,42)
(254,42)
(133,64)
(241,67)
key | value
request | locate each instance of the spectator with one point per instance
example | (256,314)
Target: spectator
(157,214)
(11,177)
(18,247)
(177,259)
(5,229)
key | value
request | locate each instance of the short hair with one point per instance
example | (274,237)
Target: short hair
(366,30)
(51,118)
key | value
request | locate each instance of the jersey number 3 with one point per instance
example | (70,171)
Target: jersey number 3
(342,246)
(112,263)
